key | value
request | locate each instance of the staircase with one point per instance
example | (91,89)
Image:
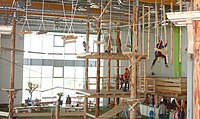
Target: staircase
(114,111)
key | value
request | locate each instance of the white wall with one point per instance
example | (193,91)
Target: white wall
(5,67)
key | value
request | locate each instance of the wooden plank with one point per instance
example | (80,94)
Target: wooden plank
(90,115)
(167,2)
(113,111)
(4,114)
(167,84)
(63,114)
(112,56)
(165,89)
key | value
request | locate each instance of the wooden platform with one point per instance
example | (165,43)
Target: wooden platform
(167,86)
(117,109)
(62,114)
(112,56)
(103,93)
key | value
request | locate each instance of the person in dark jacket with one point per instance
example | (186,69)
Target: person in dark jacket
(159,46)
(182,113)
(68,100)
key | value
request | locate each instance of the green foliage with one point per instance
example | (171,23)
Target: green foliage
(32,87)
(60,94)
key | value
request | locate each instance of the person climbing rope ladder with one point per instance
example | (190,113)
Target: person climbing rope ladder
(158,53)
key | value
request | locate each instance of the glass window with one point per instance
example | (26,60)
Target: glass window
(57,72)
(58,41)
(69,72)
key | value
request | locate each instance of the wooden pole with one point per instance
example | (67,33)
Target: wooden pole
(86,67)
(171,37)
(143,29)
(165,29)
(117,74)
(197,66)
(180,28)
(157,27)
(133,81)
(136,29)
(149,30)
(108,75)
(98,70)
(12,70)
(117,81)
(57,110)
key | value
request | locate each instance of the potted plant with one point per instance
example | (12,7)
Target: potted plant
(31,88)
(59,98)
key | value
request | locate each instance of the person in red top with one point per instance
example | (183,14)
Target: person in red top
(118,44)
(126,79)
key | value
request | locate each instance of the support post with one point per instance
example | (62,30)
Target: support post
(171,37)
(165,30)
(133,81)
(12,70)
(157,26)
(86,68)
(117,73)
(180,45)
(98,69)
(149,29)
(117,81)
(108,76)
(197,66)
(57,110)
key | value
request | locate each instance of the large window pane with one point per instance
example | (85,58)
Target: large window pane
(58,41)
(57,72)
(69,72)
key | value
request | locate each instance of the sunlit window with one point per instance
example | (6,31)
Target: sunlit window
(58,41)
(53,64)
(57,72)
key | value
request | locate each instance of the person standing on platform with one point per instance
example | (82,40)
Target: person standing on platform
(121,82)
(126,79)
(118,44)
(68,100)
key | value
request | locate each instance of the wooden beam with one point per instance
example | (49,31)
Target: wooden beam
(63,114)
(86,67)
(171,37)
(108,75)
(167,2)
(97,108)
(143,28)
(38,5)
(196,65)
(110,2)
(53,15)
(57,110)
(149,30)
(133,82)
(12,70)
